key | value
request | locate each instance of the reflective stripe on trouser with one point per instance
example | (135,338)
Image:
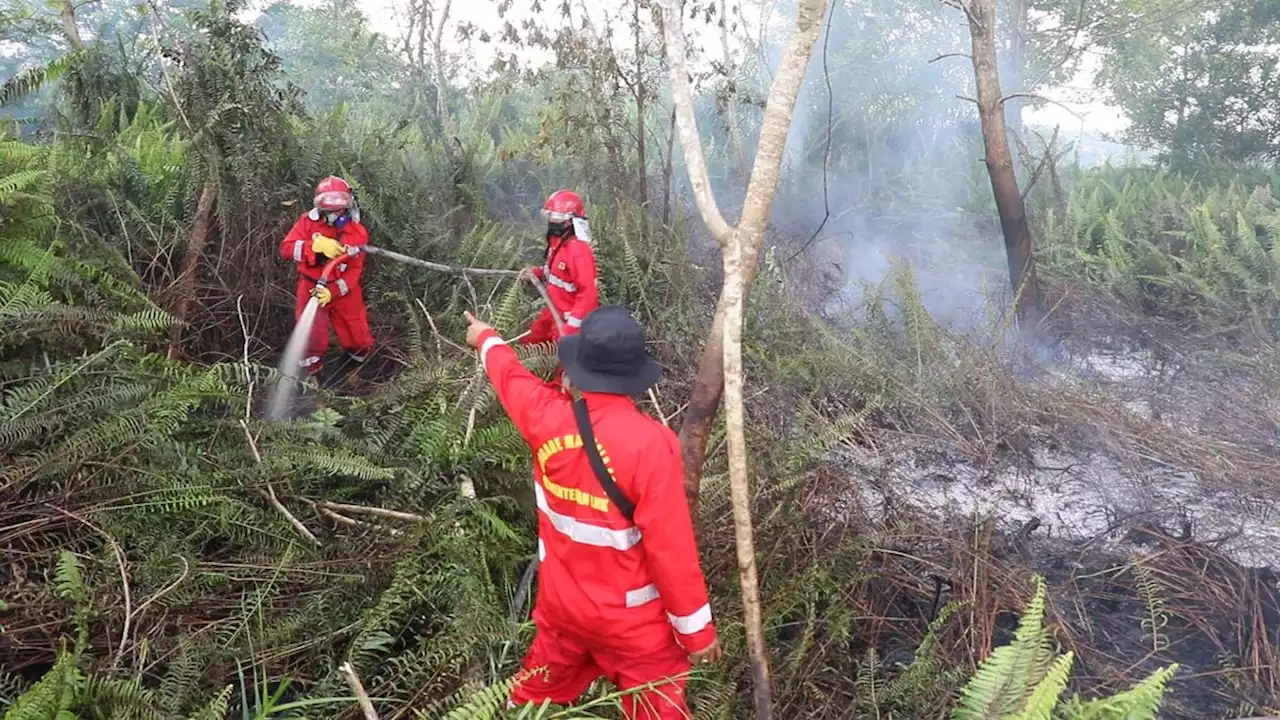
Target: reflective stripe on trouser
(562,666)
(346,314)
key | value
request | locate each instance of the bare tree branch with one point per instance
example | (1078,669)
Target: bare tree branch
(721,364)
(374,511)
(124,579)
(357,688)
(1033,96)
(690,140)
(776,124)
(270,493)
(1044,160)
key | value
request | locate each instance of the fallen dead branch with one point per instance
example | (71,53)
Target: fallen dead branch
(344,520)
(270,492)
(357,688)
(376,512)
(124,580)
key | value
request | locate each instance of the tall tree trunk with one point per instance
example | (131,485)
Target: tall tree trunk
(704,402)
(721,365)
(999,160)
(184,286)
(67,12)
(1017,64)
(731,101)
(667,168)
(442,83)
(640,90)
(735,290)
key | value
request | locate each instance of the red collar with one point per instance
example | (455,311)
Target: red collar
(599,399)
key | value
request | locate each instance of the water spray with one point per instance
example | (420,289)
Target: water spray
(290,362)
(286,388)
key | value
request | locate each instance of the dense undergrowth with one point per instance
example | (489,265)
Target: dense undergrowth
(168,553)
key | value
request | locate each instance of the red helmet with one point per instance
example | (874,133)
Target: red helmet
(563,206)
(333,194)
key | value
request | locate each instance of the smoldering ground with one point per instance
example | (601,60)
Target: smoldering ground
(1117,469)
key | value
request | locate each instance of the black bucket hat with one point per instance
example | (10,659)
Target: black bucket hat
(607,355)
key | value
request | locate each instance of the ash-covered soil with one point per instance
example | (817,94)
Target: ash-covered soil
(1142,483)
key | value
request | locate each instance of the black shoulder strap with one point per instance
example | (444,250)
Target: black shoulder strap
(597,463)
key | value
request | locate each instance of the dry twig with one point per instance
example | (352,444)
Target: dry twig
(124,579)
(366,706)
(270,493)
(374,511)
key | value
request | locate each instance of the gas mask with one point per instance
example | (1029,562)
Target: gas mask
(558,224)
(336,218)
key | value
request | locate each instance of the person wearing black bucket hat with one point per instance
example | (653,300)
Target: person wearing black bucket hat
(611,357)
(621,592)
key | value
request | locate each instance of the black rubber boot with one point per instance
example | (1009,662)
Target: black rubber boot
(346,375)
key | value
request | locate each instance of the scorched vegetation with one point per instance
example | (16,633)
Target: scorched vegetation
(958,510)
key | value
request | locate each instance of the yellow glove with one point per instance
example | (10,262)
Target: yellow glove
(323,294)
(325,245)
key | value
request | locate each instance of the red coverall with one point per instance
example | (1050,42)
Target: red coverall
(625,601)
(347,310)
(569,272)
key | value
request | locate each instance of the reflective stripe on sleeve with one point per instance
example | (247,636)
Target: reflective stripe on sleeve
(343,289)
(693,622)
(297,251)
(572,321)
(488,345)
(561,283)
(586,533)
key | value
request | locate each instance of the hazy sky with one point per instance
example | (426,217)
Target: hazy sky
(1079,95)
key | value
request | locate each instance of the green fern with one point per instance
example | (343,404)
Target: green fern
(1153,596)
(1141,702)
(54,696)
(1005,681)
(1024,680)
(926,674)
(32,79)
(217,707)
(486,703)
(70,586)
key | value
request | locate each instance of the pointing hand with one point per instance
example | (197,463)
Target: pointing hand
(475,328)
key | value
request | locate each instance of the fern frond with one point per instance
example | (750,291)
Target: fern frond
(1007,678)
(32,79)
(1141,702)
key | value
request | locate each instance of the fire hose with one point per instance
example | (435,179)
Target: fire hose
(530,571)
(438,267)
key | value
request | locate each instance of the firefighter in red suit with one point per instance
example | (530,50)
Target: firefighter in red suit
(568,269)
(617,597)
(331,229)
